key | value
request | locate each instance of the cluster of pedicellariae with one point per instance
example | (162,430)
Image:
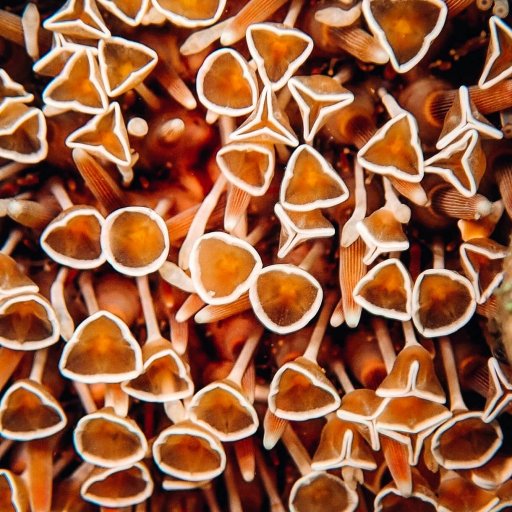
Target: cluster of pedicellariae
(305,367)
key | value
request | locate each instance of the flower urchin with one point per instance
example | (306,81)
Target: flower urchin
(228,272)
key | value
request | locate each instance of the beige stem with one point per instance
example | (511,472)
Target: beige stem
(341,374)
(244,358)
(200,220)
(9,360)
(450,370)
(318,334)
(148,308)
(87,290)
(39,474)
(296,450)
(116,398)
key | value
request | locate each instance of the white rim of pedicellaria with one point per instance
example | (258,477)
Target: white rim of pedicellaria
(127,424)
(376,310)
(26,114)
(183,21)
(14,344)
(189,428)
(262,315)
(383,40)
(119,131)
(61,221)
(134,21)
(46,400)
(105,377)
(469,143)
(351,495)
(307,366)
(21,95)
(302,415)
(195,270)
(459,322)
(338,100)
(460,413)
(19,498)
(420,491)
(494,50)
(136,76)
(64,76)
(157,347)
(107,249)
(279,131)
(243,401)
(7,266)
(242,147)
(469,118)
(293,235)
(490,250)
(101,474)
(232,384)
(278,30)
(247,74)
(77,27)
(392,170)
(183,374)
(326,169)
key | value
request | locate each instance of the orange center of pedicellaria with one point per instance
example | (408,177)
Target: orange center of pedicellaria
(25,321)
(122,61)
(223,411)
(285,298)
(395,149)
(223,266)
(79,239)
(297,393)
(161,377)
(224,84)
(386,290)
(192,9)
(189,453)
(79,86)
(310,182)
(101,349)
(487,268)
(26,413)
(105,135)
(136,240)
(25,140)
(277,51)
(323,494)
(502,63)
(442,301)
(248,166)
(108,440)
(467,440)
(405,23)
(121,484)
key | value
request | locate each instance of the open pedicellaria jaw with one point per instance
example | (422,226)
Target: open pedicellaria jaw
(107,440)
(190,452)
(83,358)
(73,237)
(226,85)
(135,240)
(23,134)
(223,267)
(119,486)
(238,273)
(285,298)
